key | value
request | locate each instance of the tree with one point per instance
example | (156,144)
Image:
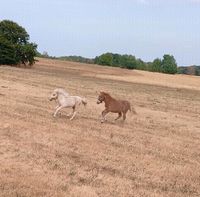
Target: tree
(15,47)
(116,59)
(7,52)
(169,64)
(104,59)
(128,61)
(141,65)
(156,65)
(123,61)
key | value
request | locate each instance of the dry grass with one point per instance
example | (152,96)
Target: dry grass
(155,153)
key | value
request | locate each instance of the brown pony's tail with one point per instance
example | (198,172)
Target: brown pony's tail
(84,101)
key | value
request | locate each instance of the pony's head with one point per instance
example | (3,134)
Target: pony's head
(101,97)
(54,95)
(57,92)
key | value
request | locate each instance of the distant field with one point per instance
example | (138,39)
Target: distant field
(154,153)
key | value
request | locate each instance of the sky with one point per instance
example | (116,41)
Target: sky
(147,29)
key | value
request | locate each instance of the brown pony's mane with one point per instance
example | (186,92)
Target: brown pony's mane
(107,98)
(106,94)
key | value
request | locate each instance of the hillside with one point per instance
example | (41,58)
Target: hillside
(74,58)
(154,153)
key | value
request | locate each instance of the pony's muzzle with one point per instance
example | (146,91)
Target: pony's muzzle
(98,101)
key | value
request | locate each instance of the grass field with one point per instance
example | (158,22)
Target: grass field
(154,153)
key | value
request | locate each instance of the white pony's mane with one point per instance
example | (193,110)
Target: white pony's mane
(61,91)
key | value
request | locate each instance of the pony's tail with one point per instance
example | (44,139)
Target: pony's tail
(132,110)
(84,101)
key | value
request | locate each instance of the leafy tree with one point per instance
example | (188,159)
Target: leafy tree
(141,65)
(156,65)
(7,52)
(128,61)
(15,47)
(116,59)
(123,61)
(105,59)
(169,64)
(13,32)
(26,53)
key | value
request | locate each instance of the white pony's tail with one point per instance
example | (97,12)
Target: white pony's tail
(84,101)
(133,110)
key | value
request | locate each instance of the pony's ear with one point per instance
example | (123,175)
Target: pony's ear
(97,92)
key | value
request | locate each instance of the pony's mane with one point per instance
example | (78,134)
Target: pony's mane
(106,94)
(62,91)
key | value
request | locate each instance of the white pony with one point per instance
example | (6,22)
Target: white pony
(65,100)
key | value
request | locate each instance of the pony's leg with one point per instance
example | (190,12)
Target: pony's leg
(124,116)
(103,114)
(57,106)
(119,116)
(57,110)
(74,113)
(70,113)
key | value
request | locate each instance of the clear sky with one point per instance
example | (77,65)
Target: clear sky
(144,28)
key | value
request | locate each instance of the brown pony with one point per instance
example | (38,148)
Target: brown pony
(113,105)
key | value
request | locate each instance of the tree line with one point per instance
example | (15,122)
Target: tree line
(166,65)
(15,49)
